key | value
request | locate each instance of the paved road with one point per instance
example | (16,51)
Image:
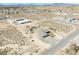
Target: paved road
(62,44)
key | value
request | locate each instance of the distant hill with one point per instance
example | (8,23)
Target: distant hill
(37,4)
(65,4)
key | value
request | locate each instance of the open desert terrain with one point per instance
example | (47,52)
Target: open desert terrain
(39,30)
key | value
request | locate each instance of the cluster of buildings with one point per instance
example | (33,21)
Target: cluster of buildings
(11,11)
(17,11)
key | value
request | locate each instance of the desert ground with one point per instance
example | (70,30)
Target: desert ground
(39,30)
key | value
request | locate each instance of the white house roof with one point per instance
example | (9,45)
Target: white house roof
(22,21)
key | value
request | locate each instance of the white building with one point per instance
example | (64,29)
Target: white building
(22,21)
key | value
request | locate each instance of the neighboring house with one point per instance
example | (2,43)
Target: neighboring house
(3,11)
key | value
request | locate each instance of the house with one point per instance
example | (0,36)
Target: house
(44,33)
(22,21)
